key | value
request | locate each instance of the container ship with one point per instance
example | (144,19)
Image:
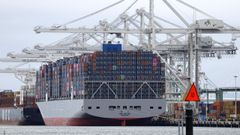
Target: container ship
(104,88)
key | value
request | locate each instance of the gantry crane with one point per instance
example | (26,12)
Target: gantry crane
(145,25)
(180,47)
(26,76)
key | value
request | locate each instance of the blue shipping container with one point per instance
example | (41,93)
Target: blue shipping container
(112,47)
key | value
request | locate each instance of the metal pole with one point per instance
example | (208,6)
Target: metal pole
(190,58)
(72,95)
(182,122)
(196,67)
(196,61)
(125,39)
(207,98)
(189,119)
(179,127)
(141,39)
(185,63)
(235,96)
(151,24)
(46,96)
(207,103)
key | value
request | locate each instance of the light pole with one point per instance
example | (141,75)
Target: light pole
(207,100)
(235,96)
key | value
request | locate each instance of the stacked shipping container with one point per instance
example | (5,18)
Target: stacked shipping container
(8,98)
(220,109)
(121,71)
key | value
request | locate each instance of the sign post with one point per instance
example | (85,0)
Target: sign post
(189,119)
(191,96)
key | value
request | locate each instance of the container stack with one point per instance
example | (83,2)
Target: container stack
(109,71)
(41,82)
(224,110)
(8,98)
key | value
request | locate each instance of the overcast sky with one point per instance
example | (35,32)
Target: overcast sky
(19,17)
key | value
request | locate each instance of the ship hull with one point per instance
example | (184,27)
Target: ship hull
(95,122)
(32,116)
(75,113)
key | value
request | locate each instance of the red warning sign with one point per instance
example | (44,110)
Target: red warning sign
(192,94)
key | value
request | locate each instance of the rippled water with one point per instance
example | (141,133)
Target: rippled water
(58,130)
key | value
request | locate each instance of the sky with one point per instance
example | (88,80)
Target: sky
(18,18)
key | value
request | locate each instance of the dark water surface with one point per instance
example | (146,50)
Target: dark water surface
(62,130)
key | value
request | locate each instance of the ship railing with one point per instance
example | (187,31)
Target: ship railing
(125,89)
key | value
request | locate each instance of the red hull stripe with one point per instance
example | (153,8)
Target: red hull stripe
(90,121)
(80,122)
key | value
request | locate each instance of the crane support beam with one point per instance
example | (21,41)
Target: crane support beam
(37,60)
(22,71)
(135,31)
(176,13)
(117,31)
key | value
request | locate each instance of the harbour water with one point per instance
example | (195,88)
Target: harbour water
(64,130)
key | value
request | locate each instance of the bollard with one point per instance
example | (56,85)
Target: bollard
(189,120)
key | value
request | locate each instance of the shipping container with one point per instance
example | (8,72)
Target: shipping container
(111,73)
(112,47)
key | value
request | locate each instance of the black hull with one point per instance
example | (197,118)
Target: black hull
(32,116)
